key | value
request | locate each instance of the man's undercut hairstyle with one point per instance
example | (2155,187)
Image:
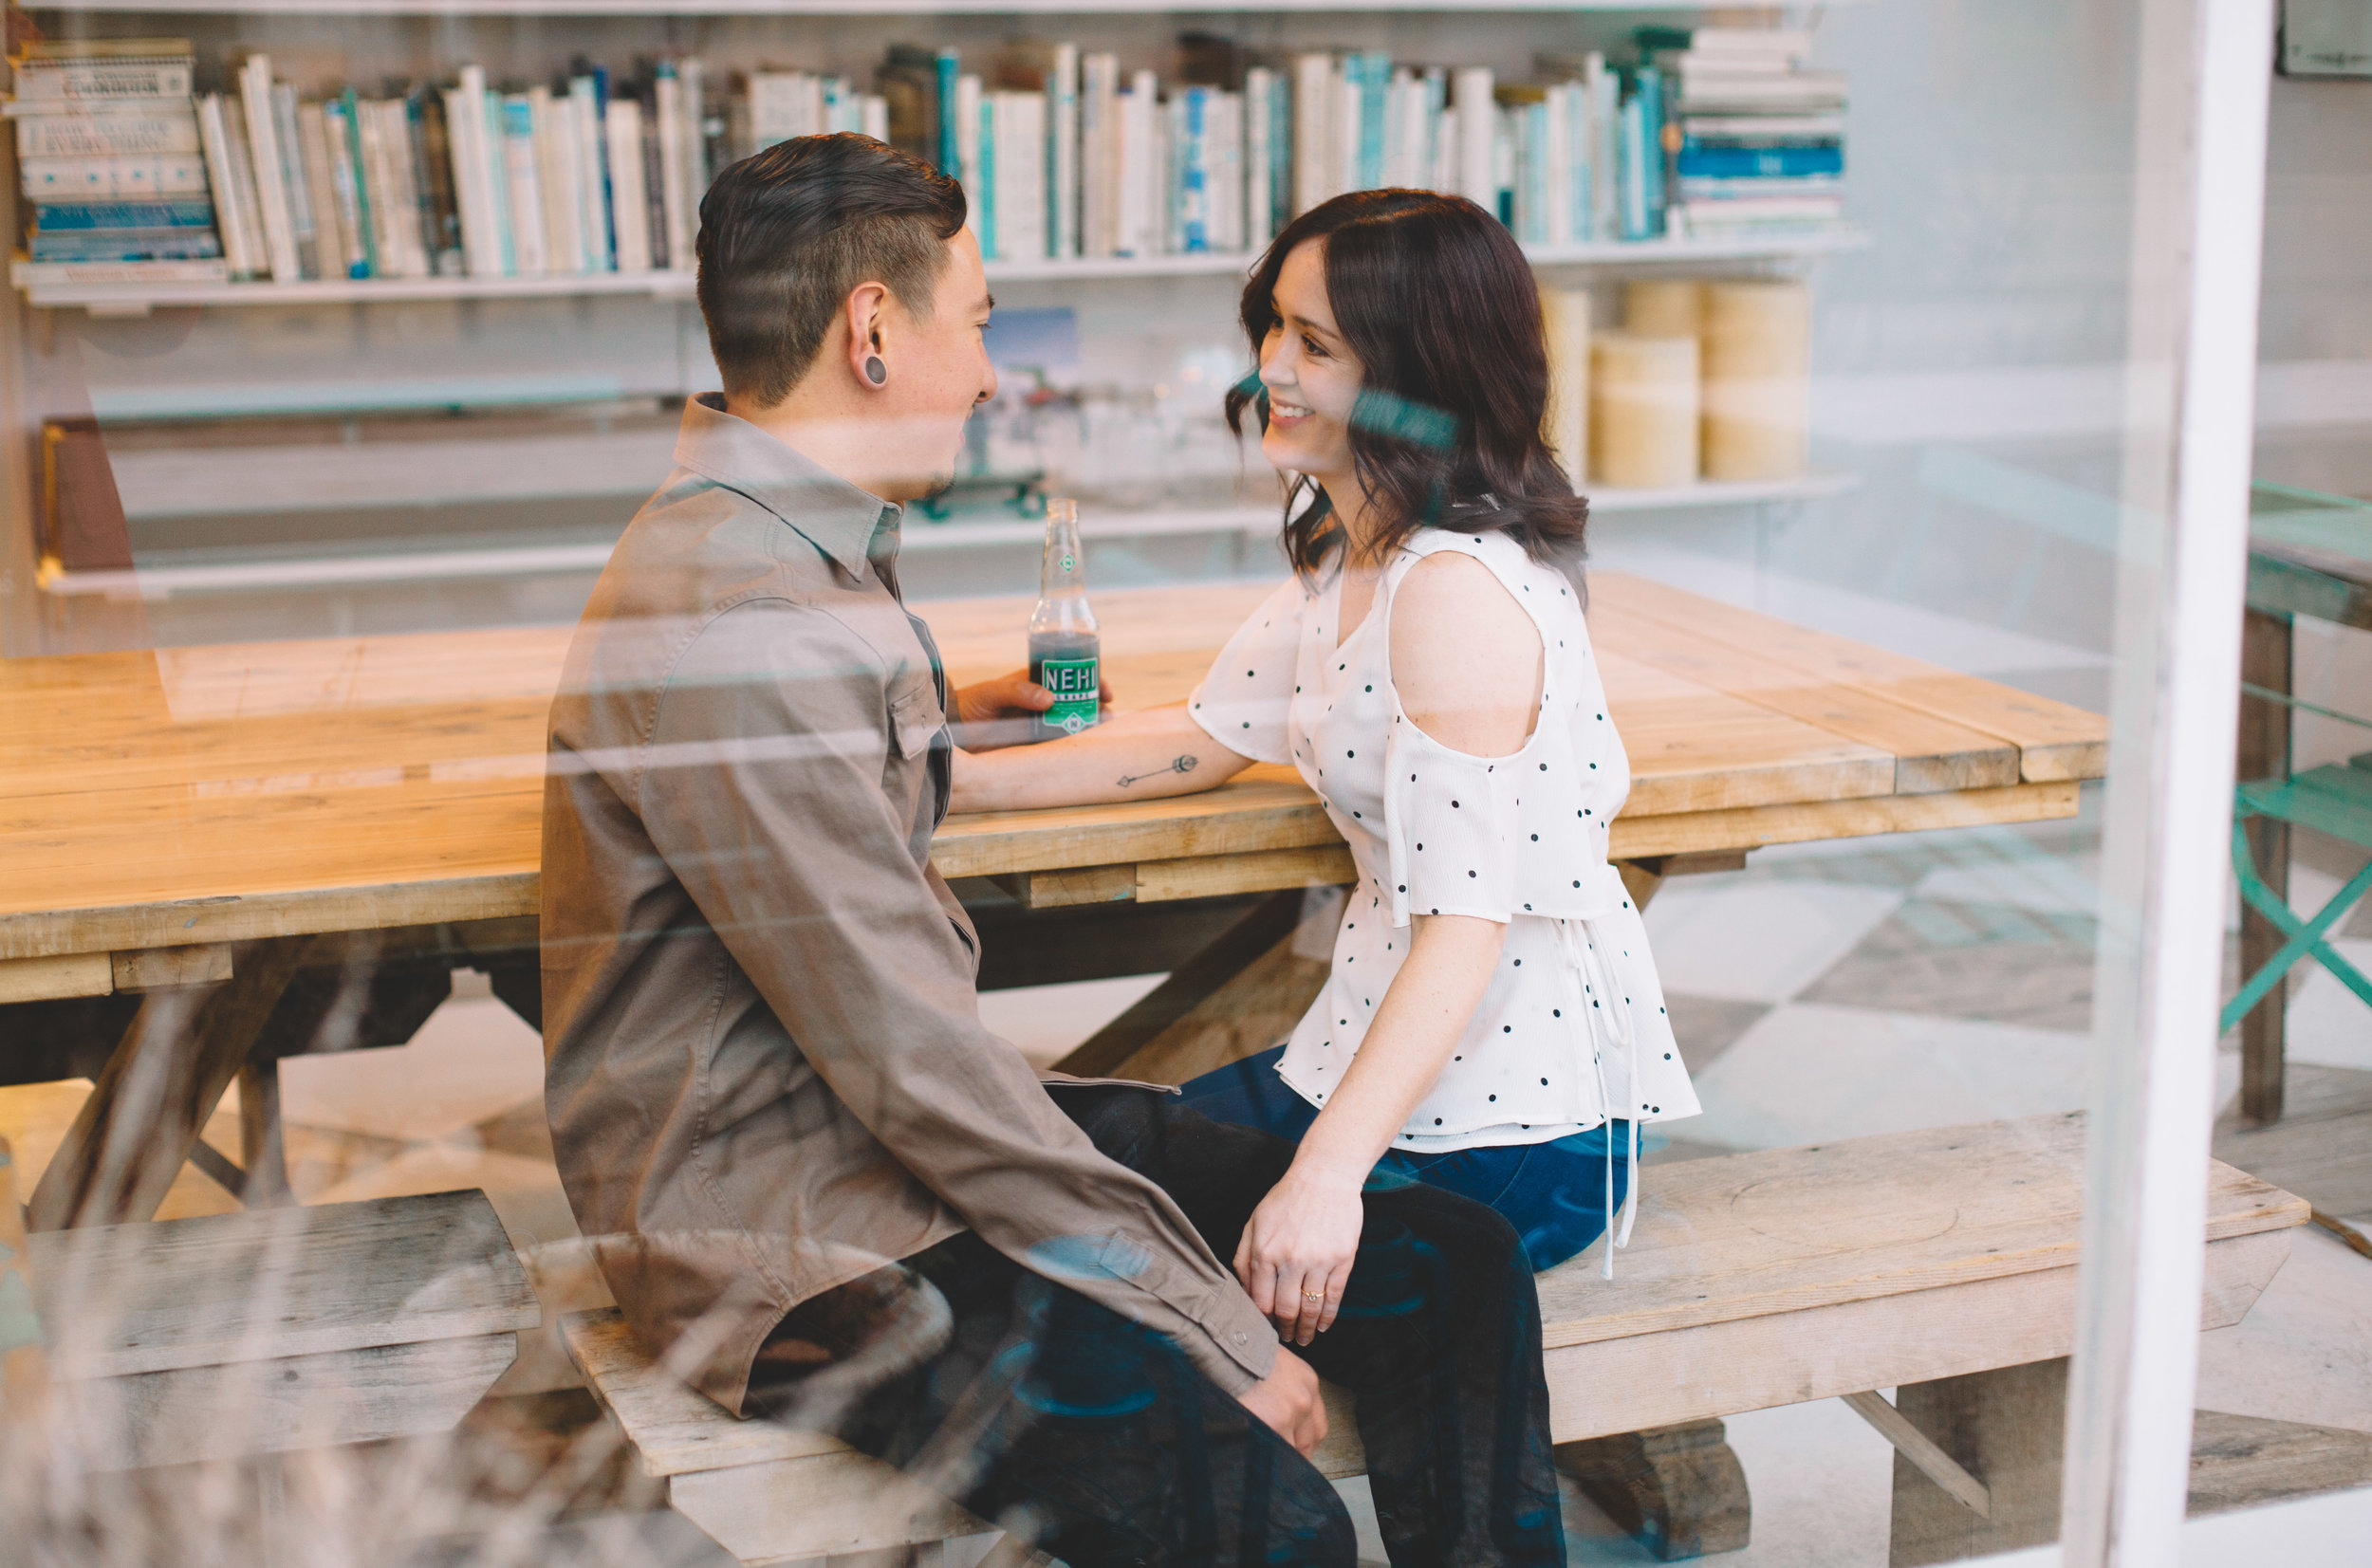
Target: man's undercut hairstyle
(787,234)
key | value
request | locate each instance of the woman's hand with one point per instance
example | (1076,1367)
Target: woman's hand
(1295,1258)
(993,713)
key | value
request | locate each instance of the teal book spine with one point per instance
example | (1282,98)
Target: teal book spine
(950,64)
(1375,87)
(498,177)
(1631,148)
(351,113)
(988,175)
(1650,101)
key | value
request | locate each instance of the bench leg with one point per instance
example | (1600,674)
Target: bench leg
(2005,1428)
(1678,1490)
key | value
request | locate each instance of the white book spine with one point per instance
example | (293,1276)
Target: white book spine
(523,172)
(1099,130)
(379,177)
(170,130)
(1259,133)
(271,190)
(1143,186)
(1477,135)
(1440,133)
(1605,184)
(968,173)
(667,111)
(214,138)
(1062,172)
(1021,176)
(558,175)
(1343,125)
(301,200)
(1314,99)
(329,237)
(874,112)
(629,208)
(1226,172)
(404,178)
(593,190)
(693,73)
(1557,170)
(102,178)
(472,177)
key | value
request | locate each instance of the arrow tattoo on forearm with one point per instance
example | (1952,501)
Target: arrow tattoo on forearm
(1183,764)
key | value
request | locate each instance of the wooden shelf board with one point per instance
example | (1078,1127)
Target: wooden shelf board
(843,7)
(136,299)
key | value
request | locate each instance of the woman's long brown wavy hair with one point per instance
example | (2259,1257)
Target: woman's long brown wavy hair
(1435,297)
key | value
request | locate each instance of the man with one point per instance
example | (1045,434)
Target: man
(814,1180)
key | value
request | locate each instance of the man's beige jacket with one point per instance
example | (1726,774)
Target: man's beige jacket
(765,1071)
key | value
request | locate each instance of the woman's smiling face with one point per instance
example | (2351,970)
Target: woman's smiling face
(1311,376)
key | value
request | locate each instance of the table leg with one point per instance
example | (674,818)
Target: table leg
(1678,1491)
(2005,1428)
(2264,753)
(1240,995)
(143,1116)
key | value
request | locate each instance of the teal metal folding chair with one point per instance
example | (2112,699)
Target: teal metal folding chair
(2335,800)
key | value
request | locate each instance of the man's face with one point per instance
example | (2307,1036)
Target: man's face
(939,370)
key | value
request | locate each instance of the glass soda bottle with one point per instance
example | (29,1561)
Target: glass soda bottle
(1065,650)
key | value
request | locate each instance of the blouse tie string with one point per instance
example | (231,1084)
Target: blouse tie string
(1585,965)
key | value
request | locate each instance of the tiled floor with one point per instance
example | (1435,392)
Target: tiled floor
(1828,991)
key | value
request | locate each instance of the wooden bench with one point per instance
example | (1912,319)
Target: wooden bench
(1940,1264)
(238,1336)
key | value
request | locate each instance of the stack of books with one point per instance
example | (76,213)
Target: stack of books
(459,180)
(1715,132)
(107,151)
(1760,144)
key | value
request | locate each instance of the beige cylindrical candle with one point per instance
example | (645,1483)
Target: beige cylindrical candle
(1663,307)
(1643,410)
(1564,323)
(1757,370)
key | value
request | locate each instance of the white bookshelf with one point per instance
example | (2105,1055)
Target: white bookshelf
(119,298)
(921,537)
(850,8)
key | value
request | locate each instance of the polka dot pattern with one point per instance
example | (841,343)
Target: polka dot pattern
(1518,839)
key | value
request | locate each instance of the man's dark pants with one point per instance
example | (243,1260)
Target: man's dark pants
(1044,1412)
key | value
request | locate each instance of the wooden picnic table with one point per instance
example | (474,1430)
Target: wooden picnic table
(199,823)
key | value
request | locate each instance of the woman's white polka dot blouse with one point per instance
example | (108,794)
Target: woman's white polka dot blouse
(1572,1028)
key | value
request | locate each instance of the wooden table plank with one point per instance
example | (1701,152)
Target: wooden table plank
(1930,754)
(2054,740)
(231,792)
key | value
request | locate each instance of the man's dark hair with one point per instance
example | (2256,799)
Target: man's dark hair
(789,234)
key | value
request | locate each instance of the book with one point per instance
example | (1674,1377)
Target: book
(629,211)
(558,178)
(1260,138)
(1137,157)
(1190,127)
(677,201)
(173,213)
(655,212)
(293,175)
(72,179)
(960,117)
(160,133)
(1313,94)
(332,243)
(146,68)
(586,103)
(432,157)
(1019,135)
(523,178)
(341,117)
(908,82)
(1472,88)
(472,174)
(956,125)
(1061,156)
(270,183)
(26,274)
(1099,171)
(231,176)
(1763,130)
(105,245)
(1732,161)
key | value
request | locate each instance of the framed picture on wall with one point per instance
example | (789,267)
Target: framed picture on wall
(2326,38)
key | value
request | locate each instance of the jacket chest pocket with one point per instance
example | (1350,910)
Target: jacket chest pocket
(916,721)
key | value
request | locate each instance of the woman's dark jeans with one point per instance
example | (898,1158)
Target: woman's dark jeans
(1042,1411)
(1554,1193)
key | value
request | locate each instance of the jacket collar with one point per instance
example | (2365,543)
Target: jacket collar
(834,515)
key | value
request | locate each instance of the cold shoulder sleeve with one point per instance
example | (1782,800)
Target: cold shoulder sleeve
(1246,699)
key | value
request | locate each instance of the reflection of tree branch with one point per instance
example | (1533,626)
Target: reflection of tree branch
(1183,764)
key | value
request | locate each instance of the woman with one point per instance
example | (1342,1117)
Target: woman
(1492,1024)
